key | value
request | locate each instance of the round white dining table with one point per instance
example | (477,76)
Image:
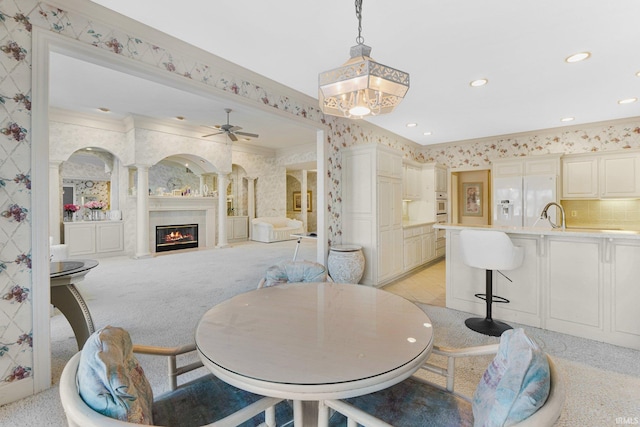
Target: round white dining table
(314,341)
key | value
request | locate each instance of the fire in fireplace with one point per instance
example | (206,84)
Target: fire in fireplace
(175,237)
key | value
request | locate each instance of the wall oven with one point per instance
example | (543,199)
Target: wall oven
(441,203)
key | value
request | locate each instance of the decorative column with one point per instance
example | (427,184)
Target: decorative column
(114,199)
(303,199)
(142,212)
(251,202)
(222,211)
(55,201)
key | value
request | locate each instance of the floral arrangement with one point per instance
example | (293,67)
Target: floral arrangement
(95,205)
(70,207)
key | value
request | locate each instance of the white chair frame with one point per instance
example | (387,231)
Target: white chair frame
(79,414)
(547,415)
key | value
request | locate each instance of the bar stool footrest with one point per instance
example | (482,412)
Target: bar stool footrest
(495,298)
(486,326)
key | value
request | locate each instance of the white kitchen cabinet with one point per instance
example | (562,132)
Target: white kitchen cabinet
(623,285)
(237,228)
(390,263)
(441,179)
(580,178)
(575,282)
(372,209)
(526,166)
(597,176)
(419,245)
(428,245)
(411,182)
(94,237)
(583,284)
(620,175)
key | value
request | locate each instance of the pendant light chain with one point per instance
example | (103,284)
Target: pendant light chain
(359,39)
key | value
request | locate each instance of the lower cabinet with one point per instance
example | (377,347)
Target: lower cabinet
(582,286)
(94,237)
(419,246)
(237,228)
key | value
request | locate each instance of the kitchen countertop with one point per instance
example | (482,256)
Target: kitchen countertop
(570,231)
(407,224)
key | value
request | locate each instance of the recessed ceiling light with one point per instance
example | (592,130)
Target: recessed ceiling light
(412,125)
(567,119)
(427,133)
(89,148)
(638,74)
(577,57)
(478,83)
(627,101)
(104,109)
(179,118)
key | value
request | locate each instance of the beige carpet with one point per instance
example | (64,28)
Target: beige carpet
(160,300)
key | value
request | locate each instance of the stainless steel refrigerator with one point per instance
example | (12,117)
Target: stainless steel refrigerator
(518,201)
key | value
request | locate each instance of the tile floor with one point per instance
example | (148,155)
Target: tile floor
(425,286)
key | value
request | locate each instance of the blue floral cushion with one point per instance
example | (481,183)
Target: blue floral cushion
(110,379)
(295,271)
(515,384)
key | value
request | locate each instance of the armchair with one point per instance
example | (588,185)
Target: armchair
(107,376)
(417,401)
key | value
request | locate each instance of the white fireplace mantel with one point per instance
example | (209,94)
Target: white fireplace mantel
(169,203)
(168,210)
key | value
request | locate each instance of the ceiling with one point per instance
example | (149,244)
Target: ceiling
(520,46)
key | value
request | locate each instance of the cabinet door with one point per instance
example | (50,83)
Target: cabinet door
(625,290)
(512,168)
(574,285)
(412,255)
(81,238)
(580,178)
(428,251)
(109,237)
(620,175)
(441,180)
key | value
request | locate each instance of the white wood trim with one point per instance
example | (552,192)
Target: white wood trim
(40,287)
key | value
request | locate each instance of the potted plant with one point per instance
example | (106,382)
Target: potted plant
(69,210)
(95,208)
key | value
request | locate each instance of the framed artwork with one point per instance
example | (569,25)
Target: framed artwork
(472,199)
(297,201)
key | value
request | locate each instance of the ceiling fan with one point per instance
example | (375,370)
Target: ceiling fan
(230,130)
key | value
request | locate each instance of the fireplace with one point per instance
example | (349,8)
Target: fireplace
(175,237)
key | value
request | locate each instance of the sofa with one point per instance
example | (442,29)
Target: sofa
(274,229)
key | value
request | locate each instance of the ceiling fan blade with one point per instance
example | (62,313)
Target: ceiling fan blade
(211,134)
(233,137)
(234,128)
(250,135)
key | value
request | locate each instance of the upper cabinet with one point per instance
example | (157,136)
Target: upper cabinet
(411,182)
(441,179)
(526,166)
(597,176)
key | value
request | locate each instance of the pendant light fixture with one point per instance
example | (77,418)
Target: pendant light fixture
(361,86)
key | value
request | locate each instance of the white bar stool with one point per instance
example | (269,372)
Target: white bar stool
(489,250)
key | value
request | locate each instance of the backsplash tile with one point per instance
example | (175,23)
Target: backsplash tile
(611,214)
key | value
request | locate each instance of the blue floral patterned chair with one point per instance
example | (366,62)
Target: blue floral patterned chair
(521,387)
(104,385)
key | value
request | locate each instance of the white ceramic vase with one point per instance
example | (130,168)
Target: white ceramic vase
(346,263)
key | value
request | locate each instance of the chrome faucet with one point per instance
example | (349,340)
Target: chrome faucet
(544,215)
